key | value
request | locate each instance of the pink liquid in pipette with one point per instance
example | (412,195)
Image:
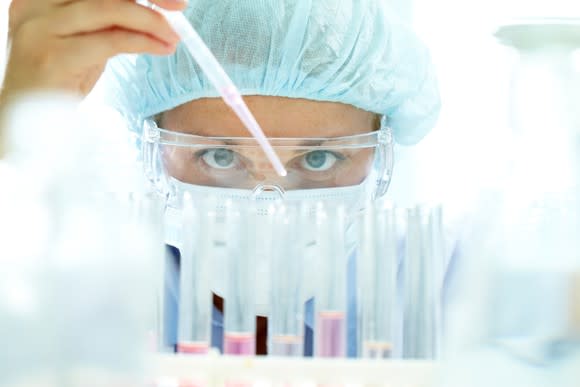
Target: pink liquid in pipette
(331,334)
(240,344)
(193,348)
(286,345)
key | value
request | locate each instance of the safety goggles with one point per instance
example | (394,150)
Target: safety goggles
(239,163)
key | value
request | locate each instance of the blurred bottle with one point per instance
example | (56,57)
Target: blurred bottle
(77,253)
(519,324)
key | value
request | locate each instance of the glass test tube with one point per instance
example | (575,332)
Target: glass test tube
(240,316)
(377,281)
(422,296)
(330,300)
(286,322)
(195,297)
(147,209)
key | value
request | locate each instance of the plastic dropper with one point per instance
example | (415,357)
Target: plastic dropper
(221,81)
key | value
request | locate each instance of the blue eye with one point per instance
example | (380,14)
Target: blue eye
(318,161)
(219,158)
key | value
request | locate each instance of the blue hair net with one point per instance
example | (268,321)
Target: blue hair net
(349,51)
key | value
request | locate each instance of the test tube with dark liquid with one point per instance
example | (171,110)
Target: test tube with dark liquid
(239,314)
(377,273)
(330,300)
(195,297)
(286,322)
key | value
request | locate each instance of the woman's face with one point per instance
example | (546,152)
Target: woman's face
(278,117)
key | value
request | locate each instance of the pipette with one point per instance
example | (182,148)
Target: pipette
(221,81)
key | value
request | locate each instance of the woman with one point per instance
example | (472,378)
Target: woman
(315,73)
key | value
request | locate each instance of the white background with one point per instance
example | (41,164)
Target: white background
(466,149)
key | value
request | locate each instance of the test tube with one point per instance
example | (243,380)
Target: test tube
(148,209)
(422,290)
(286,321)
(330,300)
(377,275)
(195,297)
(240,317)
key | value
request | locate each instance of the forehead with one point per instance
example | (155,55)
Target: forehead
(278,117)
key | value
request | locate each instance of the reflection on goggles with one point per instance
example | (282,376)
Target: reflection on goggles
(240,163)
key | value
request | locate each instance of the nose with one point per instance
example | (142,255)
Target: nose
(263,170)
(258,176)
(267,181)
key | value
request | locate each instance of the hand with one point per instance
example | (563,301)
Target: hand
(64,45)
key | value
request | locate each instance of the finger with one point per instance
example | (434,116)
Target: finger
(88,16)
(21,10)
(173,5)
(100,46)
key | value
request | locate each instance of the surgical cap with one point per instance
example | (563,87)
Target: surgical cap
(354,52)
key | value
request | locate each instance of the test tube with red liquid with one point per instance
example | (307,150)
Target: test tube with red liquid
(377,263)
(331,297)
(239,309)
(195,297)
(286,321)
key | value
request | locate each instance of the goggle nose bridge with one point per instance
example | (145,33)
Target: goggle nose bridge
(264,188)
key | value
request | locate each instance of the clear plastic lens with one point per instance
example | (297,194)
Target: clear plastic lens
(311,163)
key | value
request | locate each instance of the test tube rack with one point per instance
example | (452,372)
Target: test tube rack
(215,370)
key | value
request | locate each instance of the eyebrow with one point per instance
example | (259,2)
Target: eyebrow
(247,141)
(331,133)
(304,143)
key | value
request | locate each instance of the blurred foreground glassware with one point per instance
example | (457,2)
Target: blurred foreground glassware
(525,261)
(78,259)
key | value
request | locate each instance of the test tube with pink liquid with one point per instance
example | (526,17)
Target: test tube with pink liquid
(331,297)
(195,297)
(239,308)
(286,321)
